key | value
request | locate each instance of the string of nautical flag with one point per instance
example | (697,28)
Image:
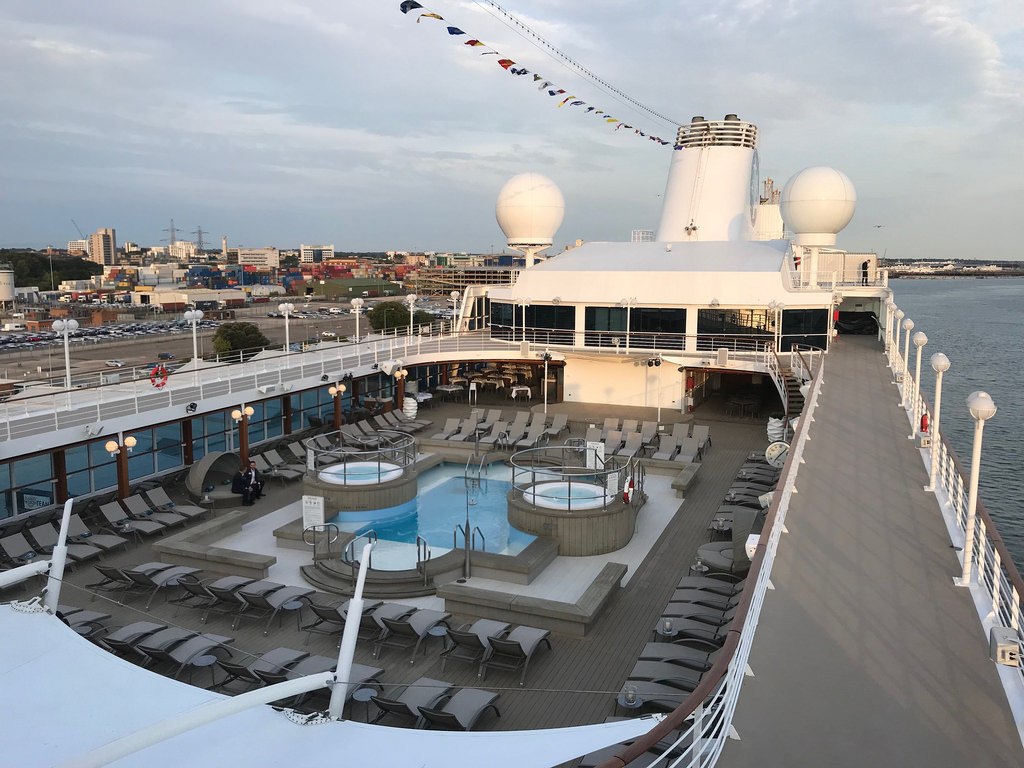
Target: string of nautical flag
(562,96)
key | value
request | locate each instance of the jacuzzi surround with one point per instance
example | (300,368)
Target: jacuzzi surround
(567,495)
(360,473)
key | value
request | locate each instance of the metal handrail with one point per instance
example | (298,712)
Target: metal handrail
(476,530)
(349,555)
(423,556)
(310,532)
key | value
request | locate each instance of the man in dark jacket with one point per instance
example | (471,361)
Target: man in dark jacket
(252,485)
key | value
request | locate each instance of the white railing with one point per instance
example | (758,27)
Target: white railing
(993,572)
(705,738)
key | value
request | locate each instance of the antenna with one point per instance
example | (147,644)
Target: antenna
(173,232)
(199,238)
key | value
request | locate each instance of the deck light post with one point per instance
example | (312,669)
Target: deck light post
(241,416)
(982,409)
(120,449)
(286,309)
(919,340)
(410,302)
(456,314)
(400,375)
(65,327)
(655,362)
(898,315)
(336,391)
(890,307)
(547,359)
(908,326)
(940,364)
(524,303)
(357,307)
(192,317)
(628,304)
(773,307)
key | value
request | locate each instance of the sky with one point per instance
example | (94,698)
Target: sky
(279,123)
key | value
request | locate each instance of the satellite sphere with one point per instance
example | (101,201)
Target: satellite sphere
(817,203)
(529,210)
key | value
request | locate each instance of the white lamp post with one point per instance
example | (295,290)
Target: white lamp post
(64,327)
(456,314)
(628,304)
(357,307)
(908,326)
(982,409)
(113,447)
(898,315)
(919,340)
(192,317)
(773,307)
(940,364)
(286,309)
(241,417)
(890,307)
(336,391)
(410,301)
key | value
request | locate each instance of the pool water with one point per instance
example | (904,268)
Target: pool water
(434,514)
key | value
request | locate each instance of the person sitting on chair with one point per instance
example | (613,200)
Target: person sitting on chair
(252,485)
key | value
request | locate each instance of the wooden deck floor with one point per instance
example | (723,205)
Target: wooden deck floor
(572,684)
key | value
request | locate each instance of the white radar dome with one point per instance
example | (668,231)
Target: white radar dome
(817,203)
(530,210)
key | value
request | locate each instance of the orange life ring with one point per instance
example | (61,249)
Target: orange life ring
(158,376)
(627,492)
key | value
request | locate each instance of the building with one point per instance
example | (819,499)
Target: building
(642,236)
(103,247)
(259,257)
(182,250)
(315,254)
(78,247)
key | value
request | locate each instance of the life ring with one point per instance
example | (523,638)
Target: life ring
(627,492)
(158,376)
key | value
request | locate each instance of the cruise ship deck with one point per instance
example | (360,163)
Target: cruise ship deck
(866,652)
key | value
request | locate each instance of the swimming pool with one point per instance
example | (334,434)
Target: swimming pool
(439,507)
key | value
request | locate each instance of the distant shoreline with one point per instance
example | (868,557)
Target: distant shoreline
(954,275)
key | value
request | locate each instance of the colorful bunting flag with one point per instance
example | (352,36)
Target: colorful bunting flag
(509,66)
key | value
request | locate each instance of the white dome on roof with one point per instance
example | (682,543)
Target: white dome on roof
(530,210)
(817,203)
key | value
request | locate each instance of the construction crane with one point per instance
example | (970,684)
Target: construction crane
(81,234)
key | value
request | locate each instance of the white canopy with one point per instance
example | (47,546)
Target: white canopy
(67,697)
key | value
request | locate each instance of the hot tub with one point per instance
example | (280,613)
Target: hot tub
(360,473)
(567,496)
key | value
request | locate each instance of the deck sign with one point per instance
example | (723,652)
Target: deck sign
(595,455)
(312,511)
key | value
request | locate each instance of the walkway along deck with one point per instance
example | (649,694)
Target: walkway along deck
(866,653)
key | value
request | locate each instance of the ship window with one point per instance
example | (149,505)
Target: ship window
(503,320)
(734,328)
(804,326)
(649,327)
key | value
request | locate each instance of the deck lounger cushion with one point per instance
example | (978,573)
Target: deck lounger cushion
(116,516)
(462,710)
(160,500)
(409,631)
(472,642)
(79,531)
(139,509)
(46,537)
(451,426)
(424,692)
(514,651)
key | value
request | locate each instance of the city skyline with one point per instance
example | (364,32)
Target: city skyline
(315,122)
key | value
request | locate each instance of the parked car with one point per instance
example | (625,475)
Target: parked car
(115,363)
(166,356)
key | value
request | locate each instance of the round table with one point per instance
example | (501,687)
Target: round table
(364,695)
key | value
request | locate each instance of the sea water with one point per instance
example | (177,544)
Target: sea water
(977,324)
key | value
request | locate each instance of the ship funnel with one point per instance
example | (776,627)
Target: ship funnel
(712,187)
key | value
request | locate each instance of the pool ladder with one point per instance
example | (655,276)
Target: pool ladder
(316,536)
(349,555)
(474,472)
(422,557)
(460,528)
